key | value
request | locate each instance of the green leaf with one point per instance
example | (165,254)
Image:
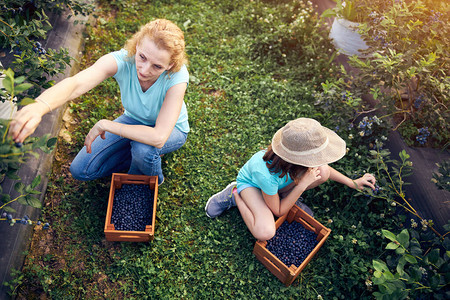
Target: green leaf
(26,101)
(22,87)
(403,238)
(415,248)
(415,273)
(411,259)
(9,209)
(401,264)
(433,256)
(389,235)
(403,155)
(22,200)
(33,201)
(19,80)
(388,275)
(12,174)
(392,246)
(379,265)
(8,84)
(19,187)
(377,274)
(434,281)
(52,142)
(36,181)
(328,13)
(5,198)
(400,250)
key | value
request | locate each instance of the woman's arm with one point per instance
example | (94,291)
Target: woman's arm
(280,207)
(28,118)
(155,136)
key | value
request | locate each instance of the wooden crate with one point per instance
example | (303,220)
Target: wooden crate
(117,181)
(284,273)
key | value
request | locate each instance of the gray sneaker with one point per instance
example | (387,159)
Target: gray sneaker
(303,206)
(220,202)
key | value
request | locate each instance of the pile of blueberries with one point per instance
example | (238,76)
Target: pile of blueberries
(292,243)
(132,207)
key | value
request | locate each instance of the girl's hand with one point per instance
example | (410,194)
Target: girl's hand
(95,131)
(366,180)
(310,176)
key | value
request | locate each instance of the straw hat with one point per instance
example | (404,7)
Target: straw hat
(307,143)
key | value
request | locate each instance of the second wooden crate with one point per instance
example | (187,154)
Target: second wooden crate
(287,274)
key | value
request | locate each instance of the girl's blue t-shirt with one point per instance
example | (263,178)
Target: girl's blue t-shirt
(256,173)
(145,106)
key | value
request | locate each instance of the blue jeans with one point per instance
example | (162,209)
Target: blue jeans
(118,154)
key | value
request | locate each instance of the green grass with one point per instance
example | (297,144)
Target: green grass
(249,76)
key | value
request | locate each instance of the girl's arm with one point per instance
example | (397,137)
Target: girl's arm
(280,207)
(28,118)
(366,180)
(155,136)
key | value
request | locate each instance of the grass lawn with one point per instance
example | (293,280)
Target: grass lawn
(254,65)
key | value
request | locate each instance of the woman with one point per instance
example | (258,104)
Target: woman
(152,76)
(273,180)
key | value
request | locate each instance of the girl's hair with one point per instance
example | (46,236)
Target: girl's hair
(275,164)
(166,35)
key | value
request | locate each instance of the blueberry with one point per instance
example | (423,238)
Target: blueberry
(46,226)
(292,243)
(18,145)
(132,207)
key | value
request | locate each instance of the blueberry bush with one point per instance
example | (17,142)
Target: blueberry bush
(14,154)
(24,26)
(418,268)
(254,65)
(29,68)
(407,71)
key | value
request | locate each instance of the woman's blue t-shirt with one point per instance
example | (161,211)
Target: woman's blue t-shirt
(145,106)
(256,174)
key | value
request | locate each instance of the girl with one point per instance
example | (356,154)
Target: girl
(272,181)
(152,76)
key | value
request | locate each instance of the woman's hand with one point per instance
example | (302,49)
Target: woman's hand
(97,130)
(366,180)
(311,175)
(26,121)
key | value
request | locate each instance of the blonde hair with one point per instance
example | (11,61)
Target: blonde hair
(166,35)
